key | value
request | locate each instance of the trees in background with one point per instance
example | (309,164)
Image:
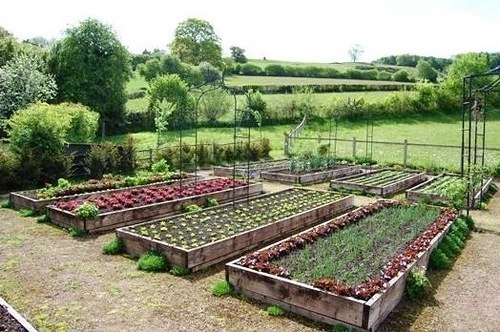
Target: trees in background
(195,41)
(355,52)
(426,72)
(91,67)
(238,54)
(23,82)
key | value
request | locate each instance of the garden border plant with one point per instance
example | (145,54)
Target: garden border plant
(362,306)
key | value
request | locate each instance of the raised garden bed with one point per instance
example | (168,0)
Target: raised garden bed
(320,255)
(11,320)
(435,189)
(200,239)
(252,170)
(381,182)
(139,205)
(287,176)
(30,199)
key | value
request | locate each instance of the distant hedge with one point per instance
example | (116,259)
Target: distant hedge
(322,88)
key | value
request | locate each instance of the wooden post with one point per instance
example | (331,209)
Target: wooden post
(405,153)
(354,148)
(150,157)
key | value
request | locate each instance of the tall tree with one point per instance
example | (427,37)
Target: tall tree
(355,52)
(8,46)
(92,67)
(195,41)
(23,82)
(238,54)
(425,71)
(463,65)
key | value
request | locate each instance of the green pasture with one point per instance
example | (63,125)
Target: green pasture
(436,129)
(241,80)
(340,66)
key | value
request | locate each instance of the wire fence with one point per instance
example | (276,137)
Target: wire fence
(430,156)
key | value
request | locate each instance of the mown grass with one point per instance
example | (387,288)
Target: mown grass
(276,100)
(437,129)
(359,251)
(440,129)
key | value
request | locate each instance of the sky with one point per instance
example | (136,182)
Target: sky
(310,31)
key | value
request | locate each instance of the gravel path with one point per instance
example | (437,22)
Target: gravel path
(61,283)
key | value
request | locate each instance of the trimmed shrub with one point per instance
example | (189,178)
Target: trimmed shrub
(439,260)
(113,247)
(152,261)
(417,284)
(222,288)
(102,159)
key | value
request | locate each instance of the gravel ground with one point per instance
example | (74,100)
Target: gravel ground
(61,283)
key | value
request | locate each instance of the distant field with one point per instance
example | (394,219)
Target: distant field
(321,99)
(340,66)
(136,83)
(240,80)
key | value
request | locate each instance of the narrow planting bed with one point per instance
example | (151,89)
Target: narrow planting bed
(351,269)
(199,239)
(11,320)
(447,189)
(39,199)
(252,170)
(146,203)
(382,182)
(310,177)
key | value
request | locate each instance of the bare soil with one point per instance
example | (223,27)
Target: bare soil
(66,284)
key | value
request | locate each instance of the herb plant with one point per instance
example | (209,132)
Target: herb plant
(87,211)
(275,311)
(417,284)
(113,247)
(222,288)
(152,261)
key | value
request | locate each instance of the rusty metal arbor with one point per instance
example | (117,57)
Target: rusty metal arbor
(475,91)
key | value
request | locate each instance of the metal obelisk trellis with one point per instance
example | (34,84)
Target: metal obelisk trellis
(475,92)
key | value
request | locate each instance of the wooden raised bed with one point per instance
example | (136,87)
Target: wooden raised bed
(416,193)
(226,248)
(320,305)
(114,219)
(284,176)
(27,200)
(412,178)
(22,322)
(241,170)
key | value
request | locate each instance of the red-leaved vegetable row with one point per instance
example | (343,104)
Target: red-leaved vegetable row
(261,260)
(146,196)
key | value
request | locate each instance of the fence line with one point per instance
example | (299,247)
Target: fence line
(293,135)
(355,143)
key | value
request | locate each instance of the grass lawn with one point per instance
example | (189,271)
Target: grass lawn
(435,129)
(274,100)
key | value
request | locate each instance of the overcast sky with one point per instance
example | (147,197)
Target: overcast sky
(311,30)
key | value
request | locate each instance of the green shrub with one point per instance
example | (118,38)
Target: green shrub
(251,69)
(275,310)
(102,159)
(113,247)
(9,165)
(462,226)
(152,261)
(417,284)
(339,328)
(5,203)
(127,156)
(469,221)
(192,208)
(212,201)
(456,239)
(87,211)
(450,247)
(77,232)
(439,260)
(160,166)
(222,288)
(179,271)
(27,212)
(43,219)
